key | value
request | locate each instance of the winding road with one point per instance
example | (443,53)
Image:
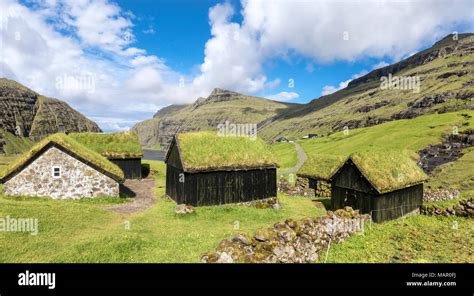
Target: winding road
(301,159)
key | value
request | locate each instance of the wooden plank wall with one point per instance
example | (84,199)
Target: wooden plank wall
(223,187)
(132,168)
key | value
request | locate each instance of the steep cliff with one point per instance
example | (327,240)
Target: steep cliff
(26,113)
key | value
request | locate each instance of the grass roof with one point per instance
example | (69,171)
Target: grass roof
(208,151)
(120,145)
(389,170)
(321,166)
(73,146)
(386,170)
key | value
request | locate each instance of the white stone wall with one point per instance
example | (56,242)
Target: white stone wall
(77,179)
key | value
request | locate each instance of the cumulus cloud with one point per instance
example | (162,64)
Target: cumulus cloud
(284,96)
(329,89)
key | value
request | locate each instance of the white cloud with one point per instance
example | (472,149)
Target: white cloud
(284,96)
(373,28)
(329,89)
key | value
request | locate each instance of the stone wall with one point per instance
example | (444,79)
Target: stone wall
(77,179)
(291,241)
(464,208)
(305,187)
(440,194)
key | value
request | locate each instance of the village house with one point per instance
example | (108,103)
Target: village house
(386,185)
(205,169)
(62,168)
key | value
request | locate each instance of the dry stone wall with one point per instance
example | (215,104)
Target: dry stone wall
(290,241)
(77,179)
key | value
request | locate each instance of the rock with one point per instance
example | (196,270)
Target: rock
(242,238)
(183,209)
(225,258)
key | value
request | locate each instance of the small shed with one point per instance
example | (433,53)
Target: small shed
(206,169)
(386,185)
(122,148)
(62,168)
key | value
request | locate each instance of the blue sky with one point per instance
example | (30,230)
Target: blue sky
(119,61)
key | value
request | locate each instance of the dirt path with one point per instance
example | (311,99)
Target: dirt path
(301,159)
(141,191)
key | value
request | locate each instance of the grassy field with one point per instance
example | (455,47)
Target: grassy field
(414,239)
(286,154)
(81,231)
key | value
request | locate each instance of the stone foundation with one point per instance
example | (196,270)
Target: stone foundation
(77,179)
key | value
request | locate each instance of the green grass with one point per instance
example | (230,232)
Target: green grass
(414,239)
(15,145)
(77,231)
(208,150)
(111,145)
(69,143)
(286,154)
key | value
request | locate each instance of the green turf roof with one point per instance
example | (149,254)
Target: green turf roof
(386,170)
(204,151)
(321,166)
(73,146)
(389,170)
(120,145)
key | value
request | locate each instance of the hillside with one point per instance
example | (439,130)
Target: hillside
(28,114)
(446,83)
(205,114)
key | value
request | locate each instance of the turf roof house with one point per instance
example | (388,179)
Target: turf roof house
(386,185)
(123,149)
(205,169)
(60,167)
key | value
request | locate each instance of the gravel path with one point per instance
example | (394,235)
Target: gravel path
(301,159)
(141,191)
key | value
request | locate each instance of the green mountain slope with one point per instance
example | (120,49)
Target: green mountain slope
(446,83)
(206,114)
(26,113)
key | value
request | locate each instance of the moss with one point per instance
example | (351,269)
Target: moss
(389,170)
(207,151)
(72,145)
(321,166)
(121,145)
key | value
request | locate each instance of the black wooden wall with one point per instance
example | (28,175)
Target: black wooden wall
(132,168)
(220,187)
(350,188)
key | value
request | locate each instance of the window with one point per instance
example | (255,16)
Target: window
(56,172)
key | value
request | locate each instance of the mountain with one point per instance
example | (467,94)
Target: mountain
(441,77)
(446,83)
(205,114)
(26,113)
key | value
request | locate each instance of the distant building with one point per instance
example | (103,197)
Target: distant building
(63,169)
(205,169)
(122,148)
(282,140)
